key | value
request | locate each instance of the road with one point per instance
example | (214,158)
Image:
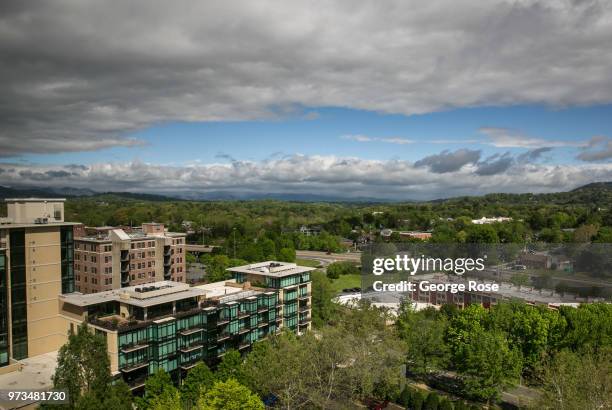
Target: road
(506,274)
(326,258)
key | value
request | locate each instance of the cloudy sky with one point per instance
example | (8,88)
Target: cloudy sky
(390,100)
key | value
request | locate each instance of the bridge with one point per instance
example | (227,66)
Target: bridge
(194,248)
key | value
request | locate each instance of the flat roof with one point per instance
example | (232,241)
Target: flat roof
(162,292)
(12,225)
(226,293)
(272,268)
(31,199)
(507,290)
(36,374)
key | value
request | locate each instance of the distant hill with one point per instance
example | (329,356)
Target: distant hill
(67,192)
(597,194)
(7,192)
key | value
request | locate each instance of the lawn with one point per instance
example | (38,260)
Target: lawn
(308,262)
(345,282)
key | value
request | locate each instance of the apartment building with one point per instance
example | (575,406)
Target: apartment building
(107,258)
(293,285)
(36,265)
(172,326)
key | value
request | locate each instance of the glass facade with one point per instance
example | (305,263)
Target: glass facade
(178,343)
(19,319)
(67,256)
(4,348)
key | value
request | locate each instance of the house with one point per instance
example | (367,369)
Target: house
(484,220)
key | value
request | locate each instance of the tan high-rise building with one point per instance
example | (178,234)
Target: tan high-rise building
(36,254)
(108,258)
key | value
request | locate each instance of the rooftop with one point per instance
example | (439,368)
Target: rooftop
(272,268)
(227,291)
(35,200)
(36,374)
(142,295)
(103,235)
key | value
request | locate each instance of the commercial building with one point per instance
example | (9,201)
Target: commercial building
(107,258)
(173,326)
(505,292)
(36,265)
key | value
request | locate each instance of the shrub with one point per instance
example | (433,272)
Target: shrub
(431,403)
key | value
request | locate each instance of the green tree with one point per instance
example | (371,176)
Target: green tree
(199,379)
(584,233)
(445,404)
(431,402)
(577,381)
(322,306)
(425,340)
(230,366)
(158,389)
(168,400)
(312,371)
(489,364)
(286,255)
(481,234)
(116,396)
(227,395)
(83,366)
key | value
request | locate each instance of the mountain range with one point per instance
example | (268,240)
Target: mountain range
(594,193)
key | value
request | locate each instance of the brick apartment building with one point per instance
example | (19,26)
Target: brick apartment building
(107,258)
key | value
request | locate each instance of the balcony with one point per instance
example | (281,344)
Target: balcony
(191,348)
(135,347)
(134,367)
(304,321)
(305,308)
(137,383)
(244,345)
(167,251)
(189,365)
(167,262)
(245,329)
(125,268)
(190,331)
(263,309)
(304,296)
(223,336)
(125,256)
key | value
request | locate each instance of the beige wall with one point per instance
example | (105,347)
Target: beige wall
(43,281)
(28,211)
(111,338)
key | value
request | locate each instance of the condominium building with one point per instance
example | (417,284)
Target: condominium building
(36,256)
(107,258)
(172,326)
(293,285)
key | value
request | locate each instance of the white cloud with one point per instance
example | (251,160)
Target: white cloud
(507,138)
(89,71)
(389,140)
(323,175)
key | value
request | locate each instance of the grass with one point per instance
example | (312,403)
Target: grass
(308,262)
(346,282)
